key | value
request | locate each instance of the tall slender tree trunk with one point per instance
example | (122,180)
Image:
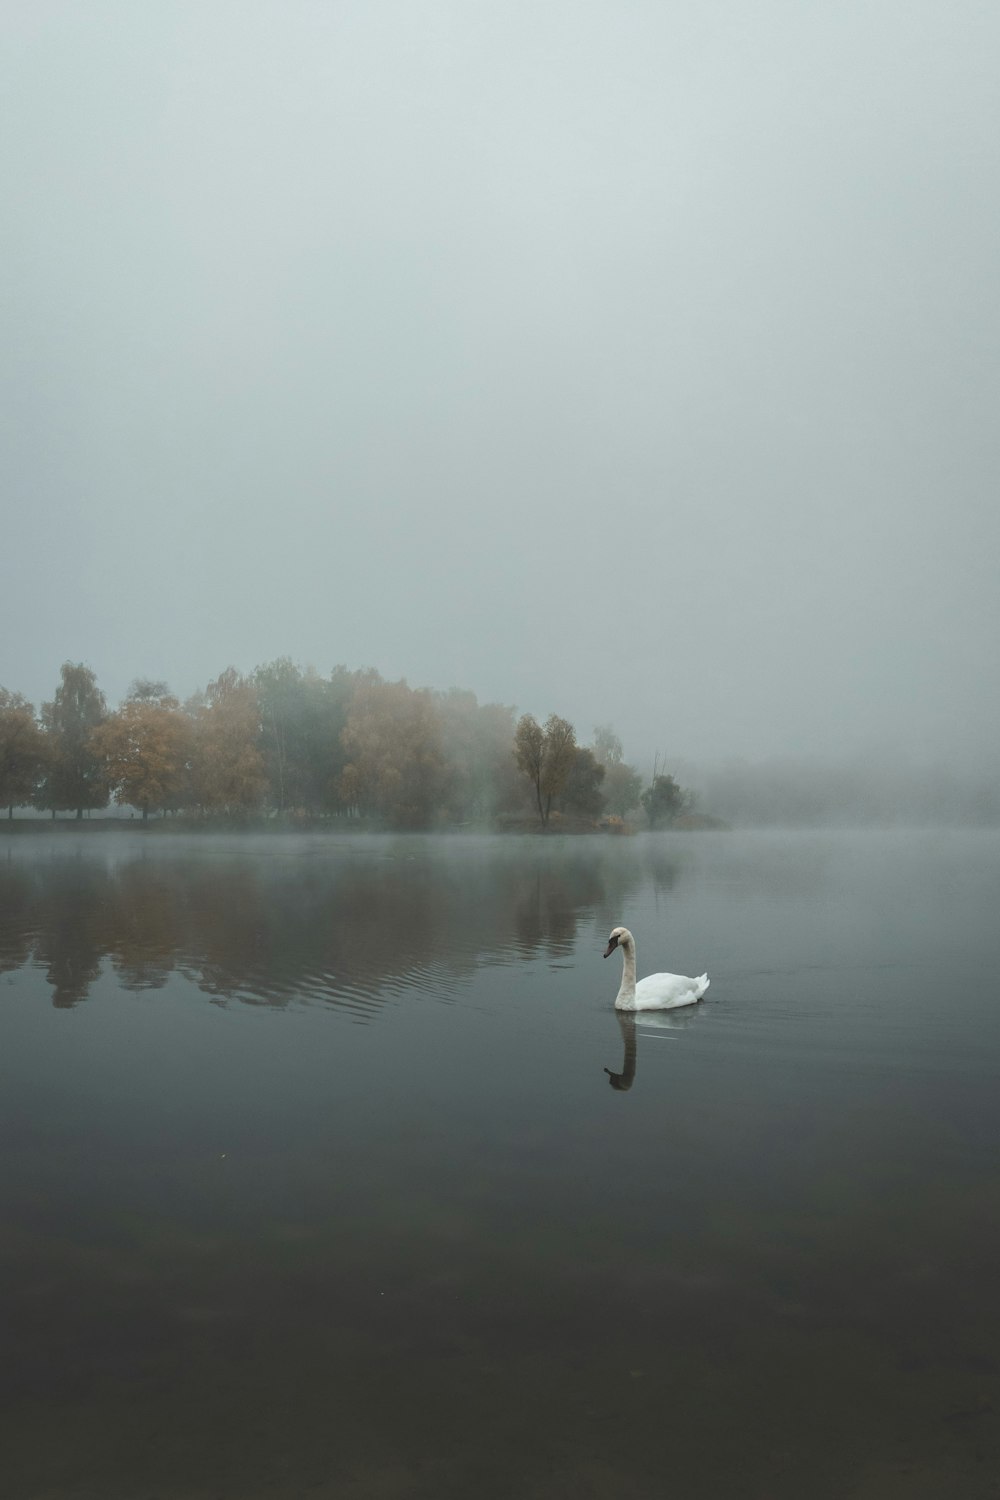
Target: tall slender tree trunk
(538,799)
(79,815)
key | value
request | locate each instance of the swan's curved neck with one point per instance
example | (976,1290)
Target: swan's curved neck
(627,988)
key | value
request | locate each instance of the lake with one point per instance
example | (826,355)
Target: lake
(329,1169)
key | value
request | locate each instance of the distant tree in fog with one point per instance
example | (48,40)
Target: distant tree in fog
(622,789)
(622,784)
(74,772)
(302,717)
(545,757)
(148,690)
(663,801)
(22,751)
(328,720)
(481,778)
(581,794)
(280,704)
(608,747)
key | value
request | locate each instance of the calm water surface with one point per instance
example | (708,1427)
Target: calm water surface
(329,1171)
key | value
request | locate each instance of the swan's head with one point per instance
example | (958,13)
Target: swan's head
(620,938)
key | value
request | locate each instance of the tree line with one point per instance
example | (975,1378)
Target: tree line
(293,744)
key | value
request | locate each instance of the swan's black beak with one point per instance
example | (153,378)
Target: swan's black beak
(612,945)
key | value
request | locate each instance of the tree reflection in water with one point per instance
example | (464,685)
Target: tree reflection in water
(274,919)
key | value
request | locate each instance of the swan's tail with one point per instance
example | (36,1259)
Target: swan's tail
(703,983)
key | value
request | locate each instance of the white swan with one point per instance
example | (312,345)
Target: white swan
(656,991)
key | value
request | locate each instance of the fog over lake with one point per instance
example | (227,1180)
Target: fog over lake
(316,1182)
(632,363)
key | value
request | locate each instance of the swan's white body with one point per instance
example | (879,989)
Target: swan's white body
(656,991)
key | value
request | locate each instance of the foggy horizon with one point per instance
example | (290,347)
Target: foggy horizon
(636,365)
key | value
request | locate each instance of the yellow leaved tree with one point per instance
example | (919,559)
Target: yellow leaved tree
(146,749)
(227,767)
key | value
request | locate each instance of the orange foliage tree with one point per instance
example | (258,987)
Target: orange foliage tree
(22,751)
(396,766)
(146,747)
(227,767)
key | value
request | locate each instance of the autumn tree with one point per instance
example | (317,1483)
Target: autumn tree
(146,747)
(22,751)
(227,767)
(395,761)
(545,757)
(74,775)
(529,754)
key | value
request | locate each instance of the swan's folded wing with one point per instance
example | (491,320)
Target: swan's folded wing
(663,991)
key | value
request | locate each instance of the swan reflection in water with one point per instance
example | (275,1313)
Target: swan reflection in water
(653,1024)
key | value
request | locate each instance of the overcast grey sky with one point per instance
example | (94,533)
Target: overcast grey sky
(635,361)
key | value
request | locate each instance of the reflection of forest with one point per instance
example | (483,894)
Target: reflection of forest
(273,921)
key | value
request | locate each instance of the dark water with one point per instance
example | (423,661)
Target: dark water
(314,1183)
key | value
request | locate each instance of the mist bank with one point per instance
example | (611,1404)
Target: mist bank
(860,792)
